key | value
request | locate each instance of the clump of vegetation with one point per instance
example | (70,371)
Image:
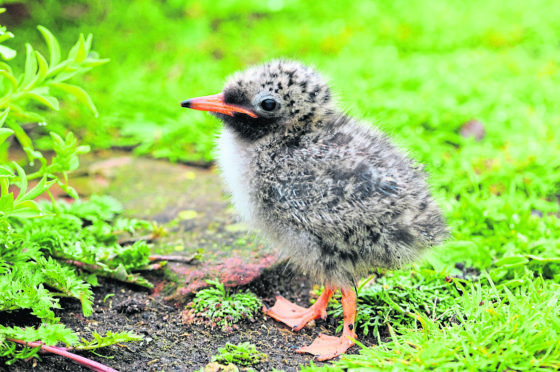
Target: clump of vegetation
(500,330)
(217,307)
(42,244)
(60,255)
(243,354)
(399,297)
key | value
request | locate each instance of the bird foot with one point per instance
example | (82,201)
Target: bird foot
(327,347)
(293,315)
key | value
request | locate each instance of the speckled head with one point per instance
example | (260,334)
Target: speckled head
(283,97)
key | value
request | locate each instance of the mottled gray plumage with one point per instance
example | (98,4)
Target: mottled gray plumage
(332,193)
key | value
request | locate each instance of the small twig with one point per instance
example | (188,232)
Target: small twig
(83,265)
(125,347)
(111,273)
(183,259)
(147,238)
(91,364)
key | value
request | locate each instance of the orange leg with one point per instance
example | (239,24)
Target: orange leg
(327,347)
(296,316)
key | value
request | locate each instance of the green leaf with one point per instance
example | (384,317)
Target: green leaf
(84,149)
(6,203)
(22,178)
(68,73)
(24,141)
(3,116)
(8,74)
(30,117)
(4,185)
(5,171)
(58,142)
(43,66)
(80,94)
(30,66)
(5,66)
(47,100)
(110,339)
(512,261)
(26,209)
(89,39)
(4,134)
(91,62)
(52,44)
(544,259)
(39,189)
(55,70)
(7,53)
(69,190)
(80,52)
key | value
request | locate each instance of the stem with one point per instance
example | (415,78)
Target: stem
(35,175)
(83,265)
(58,294)
(91,364)
(147,238)
(55,208)
(184,259)
(109,273)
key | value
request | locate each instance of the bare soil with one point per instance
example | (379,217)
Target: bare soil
(171,345)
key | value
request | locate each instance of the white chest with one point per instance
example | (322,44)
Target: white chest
(233,161)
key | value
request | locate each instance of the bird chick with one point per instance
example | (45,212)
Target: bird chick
(333,194)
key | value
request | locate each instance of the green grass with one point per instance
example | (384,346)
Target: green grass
(498,330)
(417,69)
(396,297)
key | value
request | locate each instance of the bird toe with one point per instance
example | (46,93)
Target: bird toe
(326,347)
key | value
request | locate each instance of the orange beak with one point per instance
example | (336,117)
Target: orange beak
(215,103)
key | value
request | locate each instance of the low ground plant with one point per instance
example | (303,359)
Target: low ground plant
(50,251)
(216,306)
(399,298)
(243,354)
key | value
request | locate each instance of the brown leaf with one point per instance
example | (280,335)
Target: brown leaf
(473,128)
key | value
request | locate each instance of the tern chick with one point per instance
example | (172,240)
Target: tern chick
(333,194)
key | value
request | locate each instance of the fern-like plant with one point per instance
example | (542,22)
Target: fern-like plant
(41,245)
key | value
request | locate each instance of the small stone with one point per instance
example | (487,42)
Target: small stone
(537,213)
(130,306)
(473,128)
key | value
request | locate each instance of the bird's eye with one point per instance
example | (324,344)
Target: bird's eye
(268,104)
